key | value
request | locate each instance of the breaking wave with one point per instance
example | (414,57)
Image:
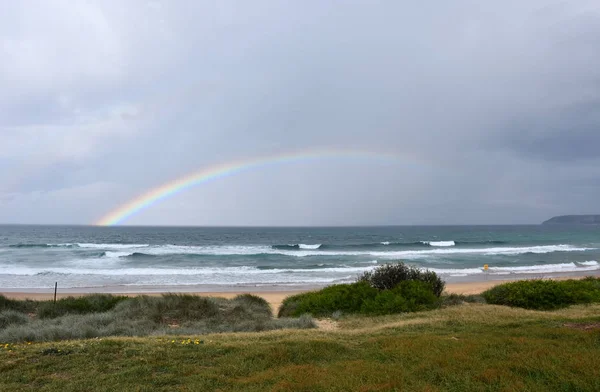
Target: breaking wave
(297,246)
(42,246)
(300,252)
(290,247)
(112,246)
(439,243)
(433,248)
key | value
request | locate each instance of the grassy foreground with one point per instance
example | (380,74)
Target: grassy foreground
(469,347)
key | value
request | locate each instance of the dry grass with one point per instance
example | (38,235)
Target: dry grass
(479,314)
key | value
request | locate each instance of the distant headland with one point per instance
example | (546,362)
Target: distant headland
(574,220)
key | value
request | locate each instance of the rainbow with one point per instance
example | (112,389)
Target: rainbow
(218,171)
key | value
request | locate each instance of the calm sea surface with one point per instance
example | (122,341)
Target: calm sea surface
(130,257)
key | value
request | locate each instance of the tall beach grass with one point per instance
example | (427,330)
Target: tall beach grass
(105,315)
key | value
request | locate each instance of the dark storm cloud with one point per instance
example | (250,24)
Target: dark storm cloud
(492,109)
(567,133)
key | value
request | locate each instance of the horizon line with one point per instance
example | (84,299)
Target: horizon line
(275,226)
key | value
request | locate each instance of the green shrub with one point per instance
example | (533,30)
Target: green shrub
(347,298)
(408,296)
(388,276)
(390,288)
(545,294)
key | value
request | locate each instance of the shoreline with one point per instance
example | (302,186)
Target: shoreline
(272,294)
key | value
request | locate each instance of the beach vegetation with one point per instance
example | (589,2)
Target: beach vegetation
(93,303)
(453,299)
(25,306)
(345,298)
(390,288)
(388,276)
(407,296)
(545,294)
(12,317)
(169,314)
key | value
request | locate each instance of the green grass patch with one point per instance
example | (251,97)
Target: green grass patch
(545,294)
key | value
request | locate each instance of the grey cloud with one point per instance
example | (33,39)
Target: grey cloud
(497,104)
(563,134)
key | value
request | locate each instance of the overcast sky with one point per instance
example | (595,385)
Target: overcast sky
(492,110)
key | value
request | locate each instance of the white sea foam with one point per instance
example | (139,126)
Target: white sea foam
(115,254)
(306,246)
(213,250)
(86,268)
(250,250)
(547,268)
(419,254)
(439,243)
(524,269)
(113,246)
(385,243)
(230,271)
(440,248)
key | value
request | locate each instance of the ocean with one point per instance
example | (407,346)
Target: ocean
(131,258)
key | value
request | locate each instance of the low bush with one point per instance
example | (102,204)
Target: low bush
(388,276)
(390,288)
(408,296)
(545,294)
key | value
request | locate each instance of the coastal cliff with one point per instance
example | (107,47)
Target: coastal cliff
(574,220)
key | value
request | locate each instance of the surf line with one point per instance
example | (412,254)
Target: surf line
(222,170)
